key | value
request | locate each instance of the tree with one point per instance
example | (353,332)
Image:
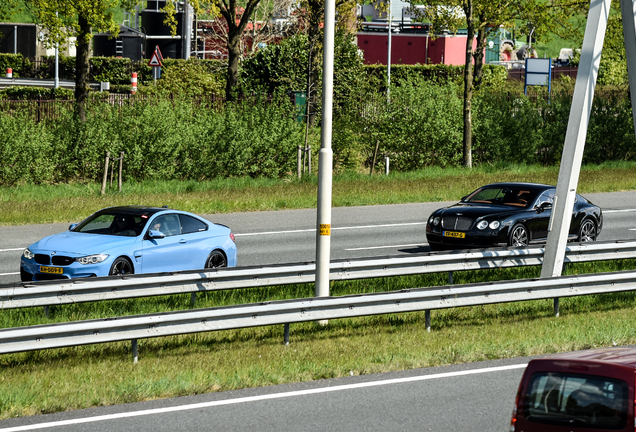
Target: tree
(64,18)
(483,17)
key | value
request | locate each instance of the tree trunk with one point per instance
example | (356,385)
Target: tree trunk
(468,85)
(82,66)
(479,55)
(234,53)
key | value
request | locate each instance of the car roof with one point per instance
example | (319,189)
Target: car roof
(520,184)
(135,209)
(617,356)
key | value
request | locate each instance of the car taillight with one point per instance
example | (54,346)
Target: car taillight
(232,236)
(513,420)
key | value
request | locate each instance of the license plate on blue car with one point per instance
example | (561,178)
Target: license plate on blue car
(54,270)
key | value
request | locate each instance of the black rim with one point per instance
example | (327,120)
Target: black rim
(216,260)
(120,267)
(588,231)
(519,237)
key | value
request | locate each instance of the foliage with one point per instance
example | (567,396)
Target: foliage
(17,92)
(17,62)
(162,139)
(187,78)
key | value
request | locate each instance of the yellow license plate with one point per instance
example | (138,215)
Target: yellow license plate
(454,234)
(54,270)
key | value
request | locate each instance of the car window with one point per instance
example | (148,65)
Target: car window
(573,400)
(190,224)
(168,224)
(517,197)
(546,197)
(121,224)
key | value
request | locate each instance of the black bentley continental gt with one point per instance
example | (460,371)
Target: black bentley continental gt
(508,214)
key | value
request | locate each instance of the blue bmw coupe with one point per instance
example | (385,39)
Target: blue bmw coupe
(130,239)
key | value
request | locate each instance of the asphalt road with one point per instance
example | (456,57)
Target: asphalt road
(474,397)
(274,237)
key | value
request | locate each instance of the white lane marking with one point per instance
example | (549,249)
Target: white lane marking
(9,274)
(14,249)
(259,398)
(386,247)
(332,229)
(619,211)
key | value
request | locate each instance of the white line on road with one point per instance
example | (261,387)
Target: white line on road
(332,229)
(259,398)
(8,274)
(386,247)
(619,211)
(14,249)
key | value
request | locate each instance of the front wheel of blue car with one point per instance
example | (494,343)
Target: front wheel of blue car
(120,267)
(216,260)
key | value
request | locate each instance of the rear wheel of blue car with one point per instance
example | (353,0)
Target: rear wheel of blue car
(519,236)
(216,260)
(121,266)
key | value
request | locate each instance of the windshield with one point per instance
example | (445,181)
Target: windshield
(113,223)
(573,400)
(517,197)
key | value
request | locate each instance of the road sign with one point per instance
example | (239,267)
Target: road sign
(155,60)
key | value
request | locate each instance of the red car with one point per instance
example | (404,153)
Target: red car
(579,391)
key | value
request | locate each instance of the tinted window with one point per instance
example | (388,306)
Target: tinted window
(191,225)
(121,224)
(518,197)
(168,224)
(582,401)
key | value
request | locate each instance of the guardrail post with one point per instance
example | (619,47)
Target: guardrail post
(556,307)
(450,277)
(193,299)
(286,337)
(133,344)
(427,318)
(46,311)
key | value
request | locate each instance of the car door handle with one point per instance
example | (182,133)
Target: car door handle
(183,241)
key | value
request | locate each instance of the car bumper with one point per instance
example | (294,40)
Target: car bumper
(30,270)
(471,239)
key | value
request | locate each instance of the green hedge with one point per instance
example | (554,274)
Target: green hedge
(162,139)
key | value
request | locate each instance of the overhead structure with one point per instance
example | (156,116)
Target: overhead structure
(578,123)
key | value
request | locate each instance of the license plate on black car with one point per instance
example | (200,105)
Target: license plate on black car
(454,234)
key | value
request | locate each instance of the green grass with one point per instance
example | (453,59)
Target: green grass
(88,376)
(31,204)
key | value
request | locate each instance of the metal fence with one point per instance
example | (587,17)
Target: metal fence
(49,293)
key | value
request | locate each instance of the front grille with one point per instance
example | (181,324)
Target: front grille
(42,259)
(62,260)
(456,223)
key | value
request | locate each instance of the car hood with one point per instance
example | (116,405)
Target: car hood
(79,244)
(475,211)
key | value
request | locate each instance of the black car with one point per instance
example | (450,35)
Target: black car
(510,214)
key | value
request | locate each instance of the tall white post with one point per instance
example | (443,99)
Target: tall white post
(628,12)
(575,139)
(388,61)
(56,81)
(323,232)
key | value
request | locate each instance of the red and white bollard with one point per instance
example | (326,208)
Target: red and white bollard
(9,73)
(133,82)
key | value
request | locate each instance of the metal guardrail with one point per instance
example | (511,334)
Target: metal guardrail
(123,287)
(302,310)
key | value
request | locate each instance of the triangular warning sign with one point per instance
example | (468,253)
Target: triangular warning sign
(154,60)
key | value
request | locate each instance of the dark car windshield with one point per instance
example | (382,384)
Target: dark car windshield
(573,400)
(113,223)
(510,196)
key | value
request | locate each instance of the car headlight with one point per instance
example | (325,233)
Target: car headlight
(92,259)
(28,254)
(436,221)
(494,225)
(482,225)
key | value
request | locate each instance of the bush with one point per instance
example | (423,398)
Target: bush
(29,93)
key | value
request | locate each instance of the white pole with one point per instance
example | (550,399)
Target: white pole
(388,60)
(629,34)
(575,139)
(323,231)
(56,82)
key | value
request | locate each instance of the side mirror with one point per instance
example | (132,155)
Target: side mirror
(72,226)
(543,207)
(155,234)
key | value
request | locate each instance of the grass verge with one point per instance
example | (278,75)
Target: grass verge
(73,378)
(30,204)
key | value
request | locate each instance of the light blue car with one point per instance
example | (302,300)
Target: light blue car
(130,239)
